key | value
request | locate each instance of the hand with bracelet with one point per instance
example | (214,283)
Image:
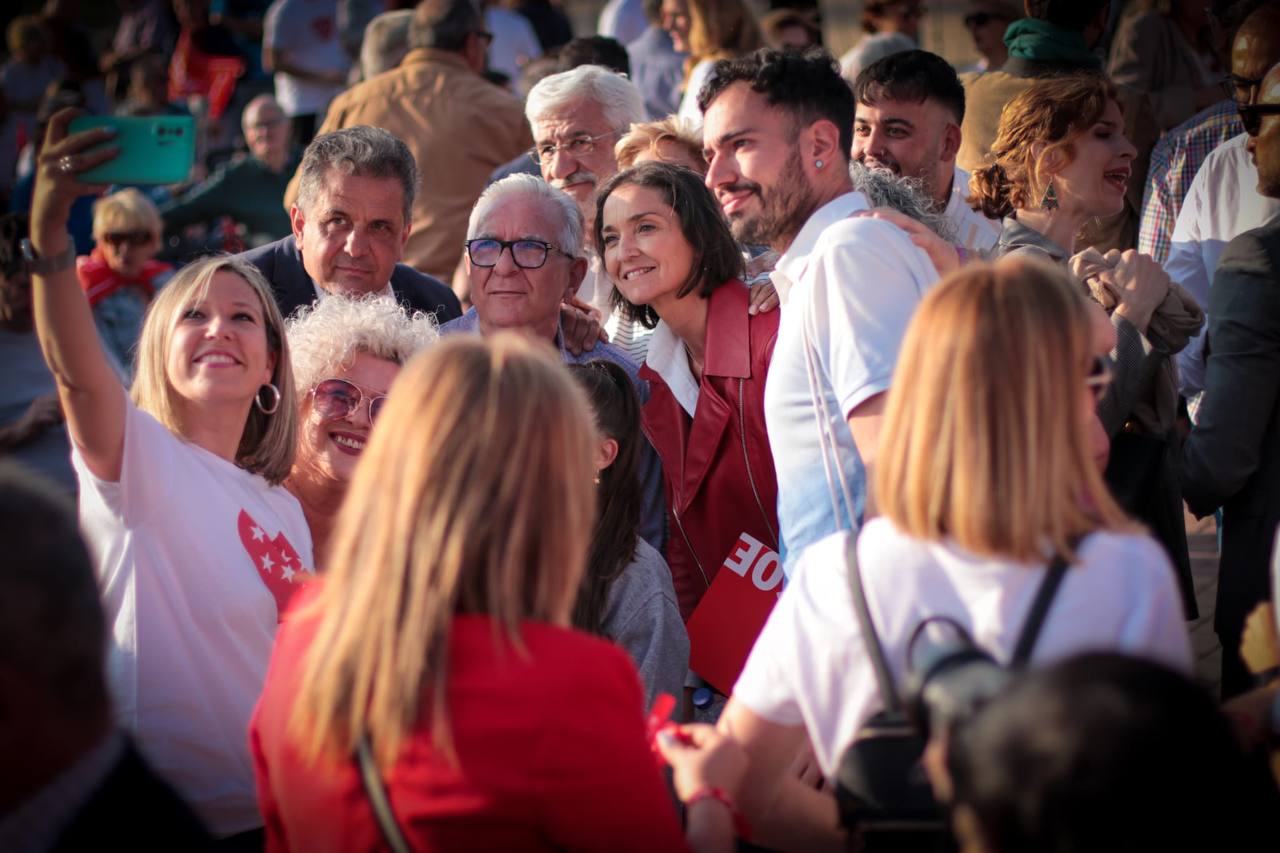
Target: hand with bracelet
(707,770)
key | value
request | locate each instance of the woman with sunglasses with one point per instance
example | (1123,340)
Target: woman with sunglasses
(346,353)
(985,474)
(1061,159)
(198,545)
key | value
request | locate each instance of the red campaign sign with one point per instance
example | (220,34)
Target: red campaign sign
(727,620)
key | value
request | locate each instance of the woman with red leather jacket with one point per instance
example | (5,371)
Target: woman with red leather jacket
(676,268)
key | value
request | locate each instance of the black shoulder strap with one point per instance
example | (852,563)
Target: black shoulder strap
(884,678)
(378,798)
(1039,610)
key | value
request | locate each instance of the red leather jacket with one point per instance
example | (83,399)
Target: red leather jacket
(717,468)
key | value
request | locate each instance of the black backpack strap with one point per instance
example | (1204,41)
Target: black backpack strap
(1039,610)
(884,678)
(377,795)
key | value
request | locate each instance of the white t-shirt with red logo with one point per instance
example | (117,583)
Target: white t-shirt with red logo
(196,559)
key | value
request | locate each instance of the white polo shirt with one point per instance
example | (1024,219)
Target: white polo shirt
(1222,203)
(974,231)
(848,287)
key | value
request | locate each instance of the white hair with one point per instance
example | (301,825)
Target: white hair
(904,194)
(617,96)
(562,210)
(329,335)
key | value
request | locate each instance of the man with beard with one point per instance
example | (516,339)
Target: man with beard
(778,132)
(577,117)
(907,120)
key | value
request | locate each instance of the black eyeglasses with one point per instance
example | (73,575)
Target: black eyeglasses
(528,254)
(335,399)
(132,238)
(1251,116)
(1233,85)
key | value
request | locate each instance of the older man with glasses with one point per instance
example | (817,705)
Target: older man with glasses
(523,260)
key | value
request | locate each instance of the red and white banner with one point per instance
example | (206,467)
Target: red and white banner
(727,620)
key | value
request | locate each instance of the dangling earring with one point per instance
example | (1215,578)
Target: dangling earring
(597,478)
(1050,200)
(817,164)
(275,399)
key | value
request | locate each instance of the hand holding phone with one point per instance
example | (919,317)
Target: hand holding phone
(153,149)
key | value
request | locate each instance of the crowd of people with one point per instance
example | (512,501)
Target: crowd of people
(673,437)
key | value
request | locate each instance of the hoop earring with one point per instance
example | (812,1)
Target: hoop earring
(275,399)
(1050,200)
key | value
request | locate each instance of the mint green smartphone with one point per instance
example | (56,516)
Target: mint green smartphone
(153,149)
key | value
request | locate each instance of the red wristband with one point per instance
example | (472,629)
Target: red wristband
(740,826)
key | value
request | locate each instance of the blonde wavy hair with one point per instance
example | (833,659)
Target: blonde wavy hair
(1034,141)
(327,336)
(267,443)
(646,137)
(983,441)
(474,496)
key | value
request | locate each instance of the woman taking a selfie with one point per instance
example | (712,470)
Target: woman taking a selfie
(440,636)
(984,476)
(180,494)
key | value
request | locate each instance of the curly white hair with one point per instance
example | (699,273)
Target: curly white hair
(329,335)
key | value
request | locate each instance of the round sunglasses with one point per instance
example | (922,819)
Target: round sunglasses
(336,399)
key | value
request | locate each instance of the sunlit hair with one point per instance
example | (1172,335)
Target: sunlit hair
(328,336)
(721,29)
(617,97)
(647,138)
(983,441)
(473,496)
(267,443)
(126,210)
(1034,141)
(904,194)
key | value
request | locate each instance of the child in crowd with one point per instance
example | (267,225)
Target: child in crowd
(121,274)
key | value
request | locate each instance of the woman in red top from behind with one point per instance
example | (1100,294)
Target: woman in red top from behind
(441,631)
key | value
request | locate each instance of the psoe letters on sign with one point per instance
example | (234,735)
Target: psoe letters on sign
(752,558)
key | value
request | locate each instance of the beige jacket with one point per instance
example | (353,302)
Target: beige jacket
(1149,55)
(459,127)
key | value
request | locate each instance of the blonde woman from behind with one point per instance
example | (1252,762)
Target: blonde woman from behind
(441,631)
(986,472)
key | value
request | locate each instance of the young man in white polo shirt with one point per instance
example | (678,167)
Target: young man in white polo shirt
(778,131)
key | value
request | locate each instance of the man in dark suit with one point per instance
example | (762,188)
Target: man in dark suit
(1232,459)
(350,225)
(71,780)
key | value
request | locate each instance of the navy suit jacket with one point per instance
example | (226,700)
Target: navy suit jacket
(1232,458)
(281,263)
